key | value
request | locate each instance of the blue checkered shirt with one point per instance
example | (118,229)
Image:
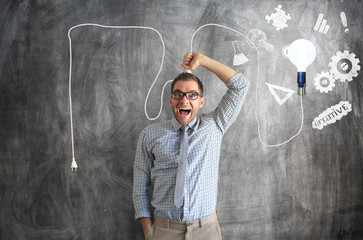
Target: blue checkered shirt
(156,160)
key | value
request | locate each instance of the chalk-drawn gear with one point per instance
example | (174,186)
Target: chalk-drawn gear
(344,66)
(279,18)
(324,82)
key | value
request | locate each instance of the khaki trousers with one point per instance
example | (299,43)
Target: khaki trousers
(206,228)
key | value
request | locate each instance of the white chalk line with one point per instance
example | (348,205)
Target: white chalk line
(74,165)
(157,76)
(257,88)
(256,111)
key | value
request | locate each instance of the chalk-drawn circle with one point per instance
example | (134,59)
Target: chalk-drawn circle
(285,51)
(324,82)
(344,65)
(346,30)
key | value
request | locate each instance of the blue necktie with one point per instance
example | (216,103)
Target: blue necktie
(183,162)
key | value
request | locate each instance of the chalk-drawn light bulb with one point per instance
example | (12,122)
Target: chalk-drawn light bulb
(257,39)
(301,53)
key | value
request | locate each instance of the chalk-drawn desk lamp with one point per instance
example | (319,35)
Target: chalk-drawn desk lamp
(301,53)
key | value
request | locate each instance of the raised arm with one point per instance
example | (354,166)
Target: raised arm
(193,60)
(232,101)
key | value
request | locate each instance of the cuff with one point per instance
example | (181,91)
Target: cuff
(142,214)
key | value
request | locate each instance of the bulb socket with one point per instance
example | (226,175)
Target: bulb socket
(301,83)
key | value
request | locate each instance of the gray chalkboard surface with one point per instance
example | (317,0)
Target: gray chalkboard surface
(291,167)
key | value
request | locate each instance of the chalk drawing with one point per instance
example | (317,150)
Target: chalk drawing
(258,84)
(279,18)
(324,82)
(343,17)
(239,58)
(74,165)
(285,51)
(344,66)
(321,25)
(272,88)
(257,39)
(332,114)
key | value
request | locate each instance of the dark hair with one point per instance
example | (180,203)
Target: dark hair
(186,77)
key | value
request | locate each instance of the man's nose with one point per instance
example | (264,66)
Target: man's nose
(184,99)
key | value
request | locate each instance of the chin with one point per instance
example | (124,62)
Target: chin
(183,121)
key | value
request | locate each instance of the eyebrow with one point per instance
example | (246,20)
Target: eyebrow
(193,91)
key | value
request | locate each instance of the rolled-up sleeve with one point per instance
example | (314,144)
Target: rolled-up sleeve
(231,103)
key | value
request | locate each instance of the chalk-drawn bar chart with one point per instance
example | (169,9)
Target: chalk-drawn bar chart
(321,25)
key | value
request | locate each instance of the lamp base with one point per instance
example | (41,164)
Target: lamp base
(301,91)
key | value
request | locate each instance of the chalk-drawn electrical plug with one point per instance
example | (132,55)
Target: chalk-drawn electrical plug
(74,165)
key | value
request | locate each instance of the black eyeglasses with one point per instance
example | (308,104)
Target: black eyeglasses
(190,95)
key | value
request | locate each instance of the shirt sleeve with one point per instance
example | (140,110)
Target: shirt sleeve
(230,105)
(142,168)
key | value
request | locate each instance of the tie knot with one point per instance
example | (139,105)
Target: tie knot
(184,128)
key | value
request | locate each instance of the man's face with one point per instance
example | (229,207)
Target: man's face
(186,110)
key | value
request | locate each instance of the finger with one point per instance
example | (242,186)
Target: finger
(188,57)
(186,67)
(187,60)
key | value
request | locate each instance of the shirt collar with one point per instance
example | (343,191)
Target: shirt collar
(177,125)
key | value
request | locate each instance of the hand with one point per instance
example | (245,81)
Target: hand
(146,225)
(192,60)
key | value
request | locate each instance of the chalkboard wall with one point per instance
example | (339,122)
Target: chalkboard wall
(280,176)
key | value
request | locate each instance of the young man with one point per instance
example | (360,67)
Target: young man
(176,162)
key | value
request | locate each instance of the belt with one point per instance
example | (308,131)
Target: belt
(168,223)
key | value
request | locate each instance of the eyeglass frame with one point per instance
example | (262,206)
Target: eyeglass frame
(185,94)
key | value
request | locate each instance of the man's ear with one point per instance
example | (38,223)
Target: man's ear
(202,101)
(170,101)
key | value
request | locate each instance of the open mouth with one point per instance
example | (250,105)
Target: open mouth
(184,111)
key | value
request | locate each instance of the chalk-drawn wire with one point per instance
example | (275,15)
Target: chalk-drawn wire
(257,88)
(74,165)
(213,24)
